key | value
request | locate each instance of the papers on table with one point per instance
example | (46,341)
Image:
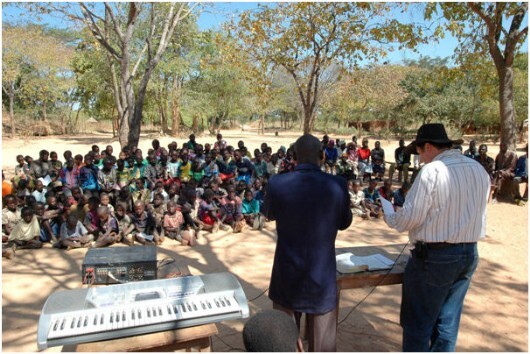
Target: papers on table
(388,208)
(350,263)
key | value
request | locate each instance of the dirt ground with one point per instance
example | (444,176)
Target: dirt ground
(495,316)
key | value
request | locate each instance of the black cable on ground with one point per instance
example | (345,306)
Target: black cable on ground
(165,261)
(260,295)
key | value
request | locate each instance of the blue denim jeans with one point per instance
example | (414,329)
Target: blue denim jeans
(45,235)
(433,294)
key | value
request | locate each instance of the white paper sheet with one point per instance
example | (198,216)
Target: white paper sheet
(388,208)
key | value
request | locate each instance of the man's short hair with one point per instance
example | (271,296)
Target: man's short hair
(270,331)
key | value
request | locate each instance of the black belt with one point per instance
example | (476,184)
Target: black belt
(440,245)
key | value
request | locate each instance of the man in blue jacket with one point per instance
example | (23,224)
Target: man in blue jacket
(309,207)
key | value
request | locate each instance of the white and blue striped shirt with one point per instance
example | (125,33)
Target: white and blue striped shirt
(447,201)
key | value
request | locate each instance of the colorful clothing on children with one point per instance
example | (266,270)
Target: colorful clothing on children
(88,178)
(107,179)
(173,221)
(211,170)
(371,195)
(123,177)
(260,169)
(250,207)
(204,212)
(184,171)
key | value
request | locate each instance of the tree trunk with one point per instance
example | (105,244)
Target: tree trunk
(77,119)
(307,119)
(44,117)
(62,124)
(11,108)
(175,116)
(163,118)
(261,126)
(136,124)
(175,106)
(195,126)
(114,120)
(508,133)
(127,120)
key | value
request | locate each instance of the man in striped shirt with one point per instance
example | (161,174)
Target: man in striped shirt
(445,214)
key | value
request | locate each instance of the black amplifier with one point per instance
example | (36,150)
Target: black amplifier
(114,265)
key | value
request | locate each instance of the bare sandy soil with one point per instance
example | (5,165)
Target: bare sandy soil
(495,314)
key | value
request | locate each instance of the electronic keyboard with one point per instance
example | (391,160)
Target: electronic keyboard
(123,310)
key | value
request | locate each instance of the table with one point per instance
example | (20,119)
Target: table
(396,252)
(196,338)
(374,278)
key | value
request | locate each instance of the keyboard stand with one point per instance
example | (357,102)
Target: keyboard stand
(196,338)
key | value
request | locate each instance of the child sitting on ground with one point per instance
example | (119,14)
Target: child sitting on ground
(125,225)
(357,199)
(104,200)
(209,213)
(386,191)
(123,174)
(108,226)
(400,195)
(91,221)
(159,189)
(189,206)
(173,226)
(231,211)
(140,192)
(251,212)
(26,233)
(371,199)
(158,210)
(44,216)
(144,225)
(74,235)
(10,216)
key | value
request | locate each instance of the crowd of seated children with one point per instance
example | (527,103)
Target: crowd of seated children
(98,199)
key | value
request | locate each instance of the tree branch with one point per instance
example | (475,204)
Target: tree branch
(521,34)
(493,45)
(137,64)
(499,8)
(511,42)
(478,10)
(115,25)
(96,31)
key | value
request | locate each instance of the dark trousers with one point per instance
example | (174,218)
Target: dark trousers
(434,288)
(321,329)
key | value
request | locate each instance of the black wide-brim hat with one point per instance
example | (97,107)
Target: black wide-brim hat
(431,133)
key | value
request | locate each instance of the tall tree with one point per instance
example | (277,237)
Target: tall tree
(116,27)
(497,28)
(305,38)
(35,67)
(16,45)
